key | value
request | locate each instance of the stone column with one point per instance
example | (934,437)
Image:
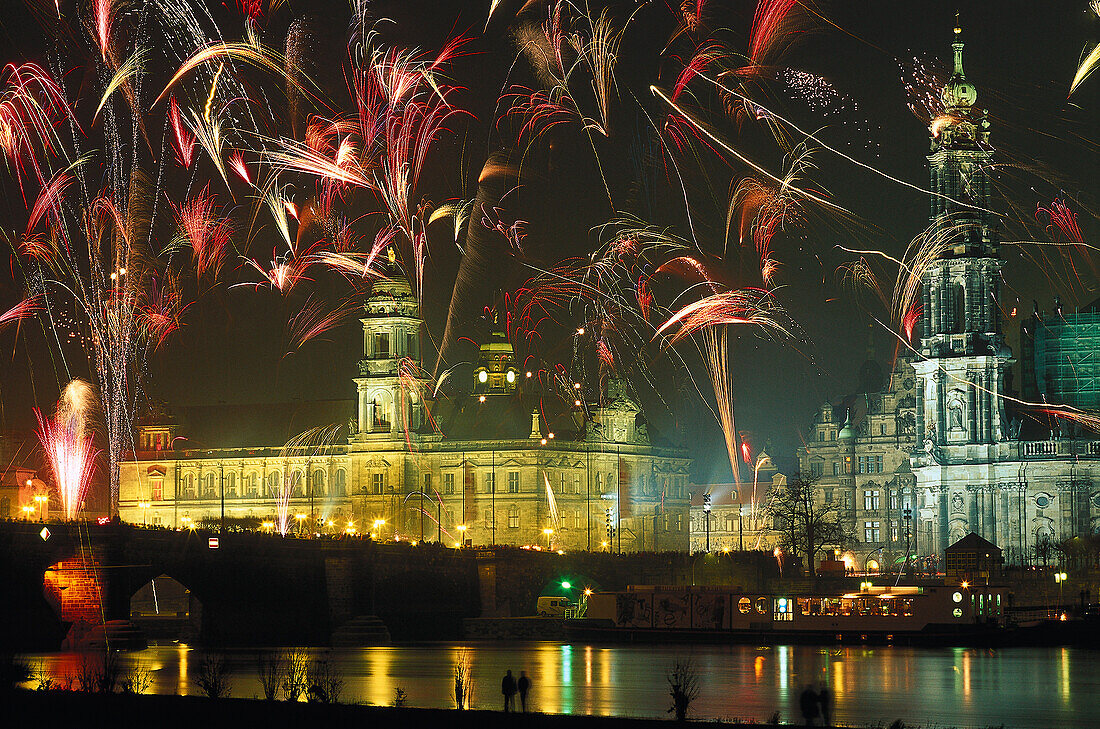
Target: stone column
(919,415)
(364,417)
(971,409)
(940,405)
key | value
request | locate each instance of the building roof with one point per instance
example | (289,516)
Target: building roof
(973,542)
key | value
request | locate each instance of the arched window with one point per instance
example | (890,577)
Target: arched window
(231,485)
(189,486)
(209,486)
(298,483)
(274,483)
(958,308)
(318,483)
(339,483)
(250,485)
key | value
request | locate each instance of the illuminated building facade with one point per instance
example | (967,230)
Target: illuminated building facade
(977,470)
(485,467)
(936,454)
(858,450)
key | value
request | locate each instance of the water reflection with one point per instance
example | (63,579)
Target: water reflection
(1019,687)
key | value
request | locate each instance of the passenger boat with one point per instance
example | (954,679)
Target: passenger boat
(875,614)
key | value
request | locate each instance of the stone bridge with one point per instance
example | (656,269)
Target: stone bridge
(262,589)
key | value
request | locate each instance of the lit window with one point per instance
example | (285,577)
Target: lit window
(448,483)
(513,482)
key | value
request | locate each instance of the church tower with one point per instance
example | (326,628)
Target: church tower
(964,360)
(391,354)
(960,418)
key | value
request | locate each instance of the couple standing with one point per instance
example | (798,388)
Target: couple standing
(812,703)
(510,686)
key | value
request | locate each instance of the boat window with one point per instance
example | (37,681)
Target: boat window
(744,605)
(762,605)
(784,609)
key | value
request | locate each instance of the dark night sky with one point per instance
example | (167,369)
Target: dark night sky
(1021,56)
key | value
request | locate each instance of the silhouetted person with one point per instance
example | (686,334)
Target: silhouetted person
(524,685)
(808,703)
(508,688)
(825,698)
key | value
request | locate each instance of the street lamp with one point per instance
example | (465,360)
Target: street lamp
(41,502)
(143,505)
(27,511)
(549,533)
(1060,578)
(462,535)
(778,553)
(301,519)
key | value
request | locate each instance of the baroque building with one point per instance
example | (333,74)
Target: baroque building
(858,451)
(492,465)
(943,450)
(977,468)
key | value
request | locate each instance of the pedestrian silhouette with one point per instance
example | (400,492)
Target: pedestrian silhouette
(524,686)
(825,698)
(508,688)
(808,703)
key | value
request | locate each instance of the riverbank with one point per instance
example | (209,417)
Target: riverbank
(58,708)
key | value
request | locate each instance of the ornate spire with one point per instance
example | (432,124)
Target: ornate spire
(958,94)
(960,126)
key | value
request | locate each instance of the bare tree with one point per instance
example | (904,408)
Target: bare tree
(212,677)
(269,669)
(683,687)
(295,664)
(805,524)
(325,682)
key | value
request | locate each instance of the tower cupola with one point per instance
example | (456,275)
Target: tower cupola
(958,94)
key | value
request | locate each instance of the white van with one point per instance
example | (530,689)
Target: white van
(553,607)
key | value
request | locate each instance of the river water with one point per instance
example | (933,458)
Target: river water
(1020,688)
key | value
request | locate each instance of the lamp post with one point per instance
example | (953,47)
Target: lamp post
(549,535)
(1060,578)
(378,524)
(461,535)
(144,506)
(706,511)
(908,514)
(301,519)
(41,502)
(741,527)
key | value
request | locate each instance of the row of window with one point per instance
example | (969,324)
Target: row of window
(872,531)
(565,483)
(865,464)
(872,500)
(567,519)
(208,485)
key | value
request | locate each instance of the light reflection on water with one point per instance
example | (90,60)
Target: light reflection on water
(1021,688)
